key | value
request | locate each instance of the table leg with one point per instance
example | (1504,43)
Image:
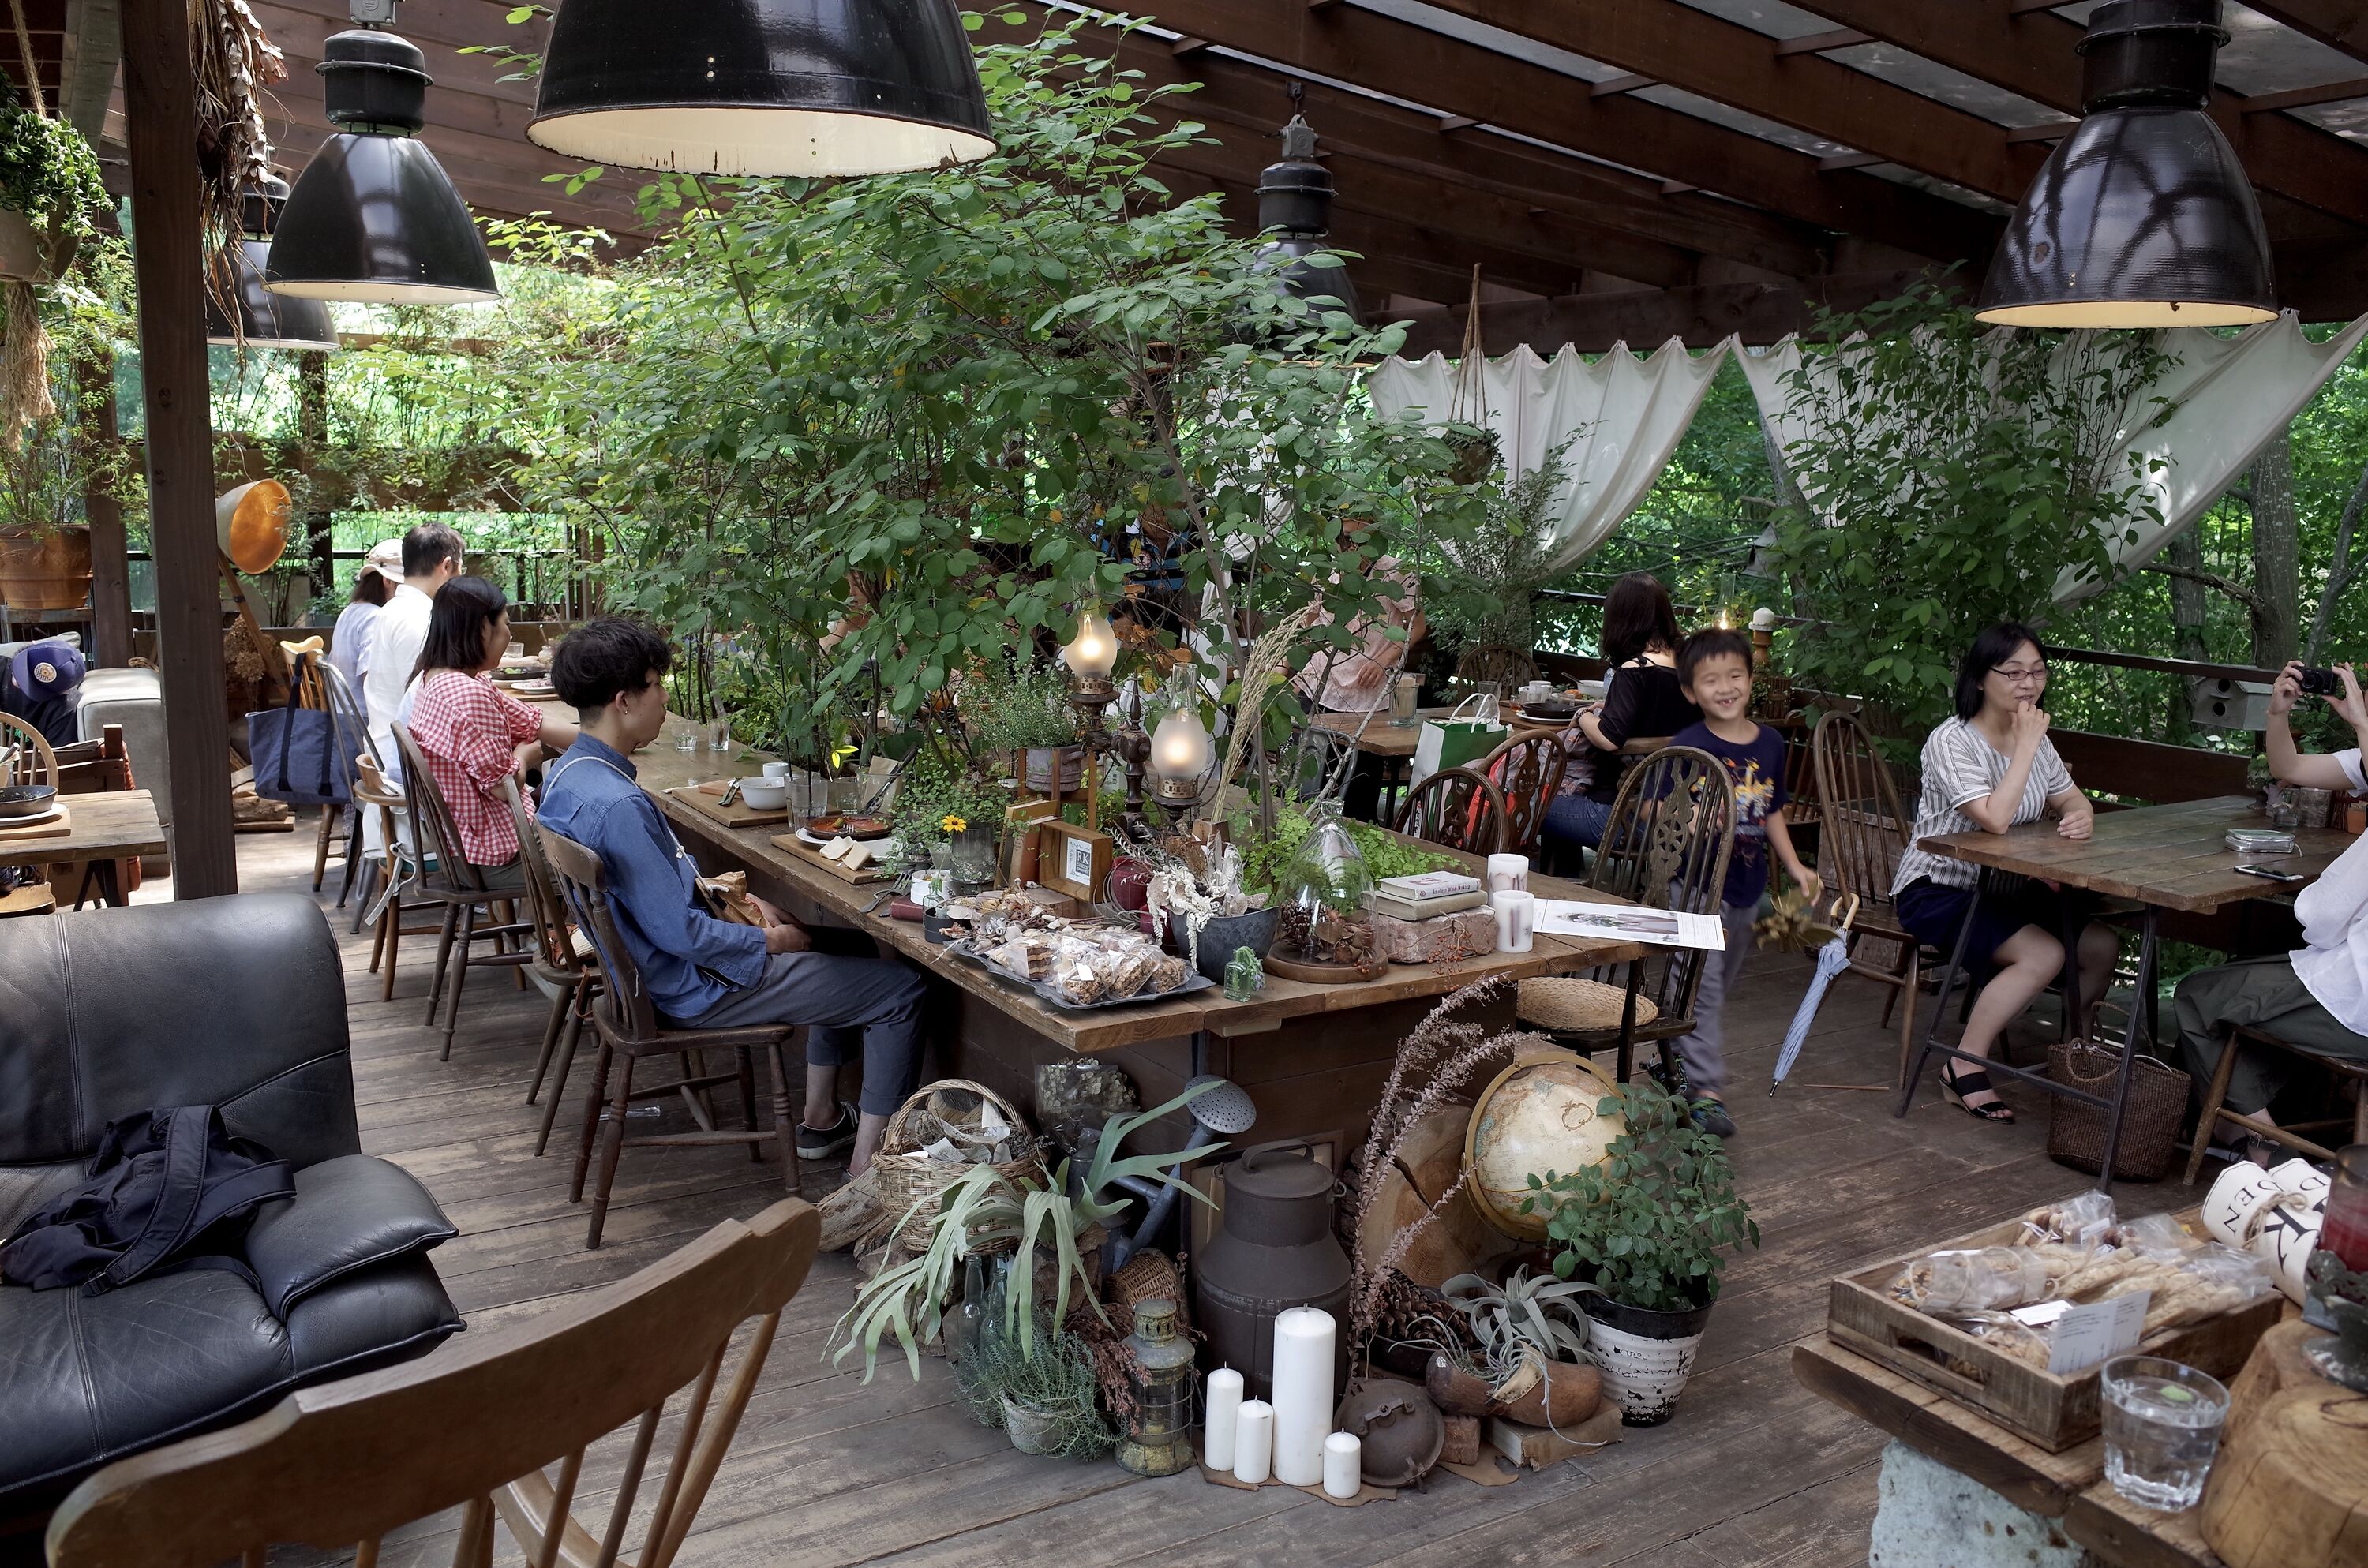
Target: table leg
(2139,1011)
(110,884)
(1948,989)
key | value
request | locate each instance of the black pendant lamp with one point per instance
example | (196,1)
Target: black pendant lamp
(805,87)
(1295,211)
(2142,217)
(266,320)
(373,217)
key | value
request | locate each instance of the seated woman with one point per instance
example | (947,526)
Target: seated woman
(1993,767)
(472,733)
(2316,996)
(1642,697)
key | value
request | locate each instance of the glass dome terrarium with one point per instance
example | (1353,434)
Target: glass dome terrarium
(1323,923)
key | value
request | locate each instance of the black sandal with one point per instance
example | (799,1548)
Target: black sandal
(1956,1085)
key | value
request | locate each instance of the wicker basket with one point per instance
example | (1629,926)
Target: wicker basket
(907,1176)
(2075,1133)
(1580,1006)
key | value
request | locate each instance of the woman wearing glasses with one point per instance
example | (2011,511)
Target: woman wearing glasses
(1991,768)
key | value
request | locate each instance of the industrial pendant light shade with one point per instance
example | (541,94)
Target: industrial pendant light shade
(2142,217)
(804,88)
(1295,211)
(266,320)
(373,217)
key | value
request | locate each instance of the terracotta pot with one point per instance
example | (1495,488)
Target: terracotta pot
(1566,1396)
(45,568)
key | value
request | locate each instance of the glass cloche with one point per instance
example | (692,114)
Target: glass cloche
(1321,896)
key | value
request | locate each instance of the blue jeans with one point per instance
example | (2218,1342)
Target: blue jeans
(1573,820)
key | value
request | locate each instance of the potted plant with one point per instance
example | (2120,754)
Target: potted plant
(1646,1230)
(1532,1364)
(1042,1394)
(1029,713)
(1194,892)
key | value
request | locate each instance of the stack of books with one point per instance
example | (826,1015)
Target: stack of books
(1427,895)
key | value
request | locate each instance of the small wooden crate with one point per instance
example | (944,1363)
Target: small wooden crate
(2056,1413)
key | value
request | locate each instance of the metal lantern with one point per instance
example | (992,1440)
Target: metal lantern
(374,217)
(801,87)
(266,320)
(1295,211)
(2142,216)
(1159,1436)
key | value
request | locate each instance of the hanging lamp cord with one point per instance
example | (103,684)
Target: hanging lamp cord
(24,50)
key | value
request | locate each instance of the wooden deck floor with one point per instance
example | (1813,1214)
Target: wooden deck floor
(830,1471)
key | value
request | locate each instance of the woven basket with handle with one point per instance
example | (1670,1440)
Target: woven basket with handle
(2075,1133)
(906,1176)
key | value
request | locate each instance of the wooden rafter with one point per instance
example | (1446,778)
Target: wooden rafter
(2339,24)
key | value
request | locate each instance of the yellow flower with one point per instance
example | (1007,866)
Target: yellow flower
(953,823)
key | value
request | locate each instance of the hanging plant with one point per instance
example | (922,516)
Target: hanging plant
(48,174)
(233,63)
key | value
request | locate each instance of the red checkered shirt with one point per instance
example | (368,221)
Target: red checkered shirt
(470,733)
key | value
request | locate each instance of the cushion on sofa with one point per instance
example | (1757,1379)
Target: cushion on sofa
(349,1213)
(376,1317)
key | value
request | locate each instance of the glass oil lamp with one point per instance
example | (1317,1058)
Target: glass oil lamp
(1159,1436)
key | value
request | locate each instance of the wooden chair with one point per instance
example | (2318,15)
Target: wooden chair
(34,762)
(476,1428)
(1862,832)
(446,878)
(387,876)
(627,1024)
(1665,846)
(2215,1099)
(1457,807)
(1529,769)
(320,685)
(560,967)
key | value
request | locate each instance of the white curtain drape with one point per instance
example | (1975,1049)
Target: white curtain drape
(1628,413)
(2230,396)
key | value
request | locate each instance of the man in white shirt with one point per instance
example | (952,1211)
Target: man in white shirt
(431,558)
(2316,996)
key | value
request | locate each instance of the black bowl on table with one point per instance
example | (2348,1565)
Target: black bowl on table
(1551,710)
(27,800)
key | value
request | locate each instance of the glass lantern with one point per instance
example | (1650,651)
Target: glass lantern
(1321,896)
(1159,1434)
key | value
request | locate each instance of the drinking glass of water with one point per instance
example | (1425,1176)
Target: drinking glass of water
(2162,1429)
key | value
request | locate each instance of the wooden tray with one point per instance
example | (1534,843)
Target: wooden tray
(2056,1413)
(1328,974)
(739,813)
(799,847)
(58,826)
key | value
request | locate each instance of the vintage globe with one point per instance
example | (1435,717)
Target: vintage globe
(1538,1115)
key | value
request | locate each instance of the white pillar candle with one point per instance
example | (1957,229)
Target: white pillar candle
(1219,1421)
(1343,1460)
(1516,921)
(1303,1338)
(1507,873)
(1253,1441)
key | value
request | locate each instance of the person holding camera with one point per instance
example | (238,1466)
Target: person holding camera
(2316,996)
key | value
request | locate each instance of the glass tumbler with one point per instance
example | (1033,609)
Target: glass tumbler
(2162,1430)
(1404,693)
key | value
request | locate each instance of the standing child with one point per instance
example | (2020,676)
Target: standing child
(1714,667)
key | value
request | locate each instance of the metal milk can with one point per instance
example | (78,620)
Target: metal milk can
(1274,1249)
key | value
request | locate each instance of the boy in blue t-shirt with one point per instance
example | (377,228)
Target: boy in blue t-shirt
(1715,666)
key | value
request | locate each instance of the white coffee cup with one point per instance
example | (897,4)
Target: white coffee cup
(777,770)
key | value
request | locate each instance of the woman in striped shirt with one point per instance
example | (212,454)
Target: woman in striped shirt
(1991,768)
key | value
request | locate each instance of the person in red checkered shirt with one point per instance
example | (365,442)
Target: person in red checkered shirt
(472,733)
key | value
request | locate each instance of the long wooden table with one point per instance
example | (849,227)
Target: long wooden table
(2165,858)
(105,827)
(1313,1057)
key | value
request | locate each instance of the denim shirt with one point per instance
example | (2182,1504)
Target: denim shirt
(689,961)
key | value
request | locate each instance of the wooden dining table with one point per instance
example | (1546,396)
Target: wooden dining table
(2163,858)
(102,829)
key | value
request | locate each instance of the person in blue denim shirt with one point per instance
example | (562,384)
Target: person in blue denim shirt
(702,972)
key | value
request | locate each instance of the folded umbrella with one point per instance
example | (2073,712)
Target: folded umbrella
(1832,958)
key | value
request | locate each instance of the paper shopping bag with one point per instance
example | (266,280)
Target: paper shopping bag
(1469,734)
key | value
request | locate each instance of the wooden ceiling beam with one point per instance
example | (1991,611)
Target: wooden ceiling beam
(2339,24)
(1703,53)
(2032,53)
(1384,55)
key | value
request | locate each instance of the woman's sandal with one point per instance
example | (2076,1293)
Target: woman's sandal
(1956,1085)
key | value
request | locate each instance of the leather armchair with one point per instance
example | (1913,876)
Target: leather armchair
(239,1003)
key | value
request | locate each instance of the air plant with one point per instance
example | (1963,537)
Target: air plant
(1520,1326)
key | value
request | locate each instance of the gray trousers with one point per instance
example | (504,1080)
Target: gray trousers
(866,1007)
(1702,1051)
(2265,994)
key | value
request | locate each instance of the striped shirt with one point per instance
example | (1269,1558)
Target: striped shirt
(1959,767)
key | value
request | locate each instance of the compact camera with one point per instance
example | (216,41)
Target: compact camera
(2321,683)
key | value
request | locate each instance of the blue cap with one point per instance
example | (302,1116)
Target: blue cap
(46,669)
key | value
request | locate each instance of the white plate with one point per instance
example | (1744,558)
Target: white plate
(52,814)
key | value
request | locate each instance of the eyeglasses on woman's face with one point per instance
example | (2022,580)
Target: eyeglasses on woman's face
(2020,675)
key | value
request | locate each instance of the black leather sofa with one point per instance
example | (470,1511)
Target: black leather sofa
(239,1003)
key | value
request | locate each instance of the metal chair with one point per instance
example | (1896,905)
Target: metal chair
(448,878)
(1458,808)
(1862,832)
(1665,846)
(561,966)
(627,1024)
(322,684)
(1529,769)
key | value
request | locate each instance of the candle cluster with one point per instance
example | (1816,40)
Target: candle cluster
(1291,1440)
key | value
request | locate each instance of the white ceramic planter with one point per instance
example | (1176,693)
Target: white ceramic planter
(1646,1357)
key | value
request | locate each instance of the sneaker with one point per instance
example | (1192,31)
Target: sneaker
(822,1142)
(1712,1117)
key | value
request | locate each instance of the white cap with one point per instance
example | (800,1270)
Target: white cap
(385,559)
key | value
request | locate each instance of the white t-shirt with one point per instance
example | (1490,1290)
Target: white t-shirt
(396,636)
(1959,767)
(2334,915)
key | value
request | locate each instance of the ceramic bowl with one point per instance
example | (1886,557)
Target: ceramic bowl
(765,794)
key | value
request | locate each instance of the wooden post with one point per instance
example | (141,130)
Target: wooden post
(312,426)
(161,118)
(111,568)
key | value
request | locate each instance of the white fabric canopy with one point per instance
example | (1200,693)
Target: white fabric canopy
(2230,397)
(1628,414)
